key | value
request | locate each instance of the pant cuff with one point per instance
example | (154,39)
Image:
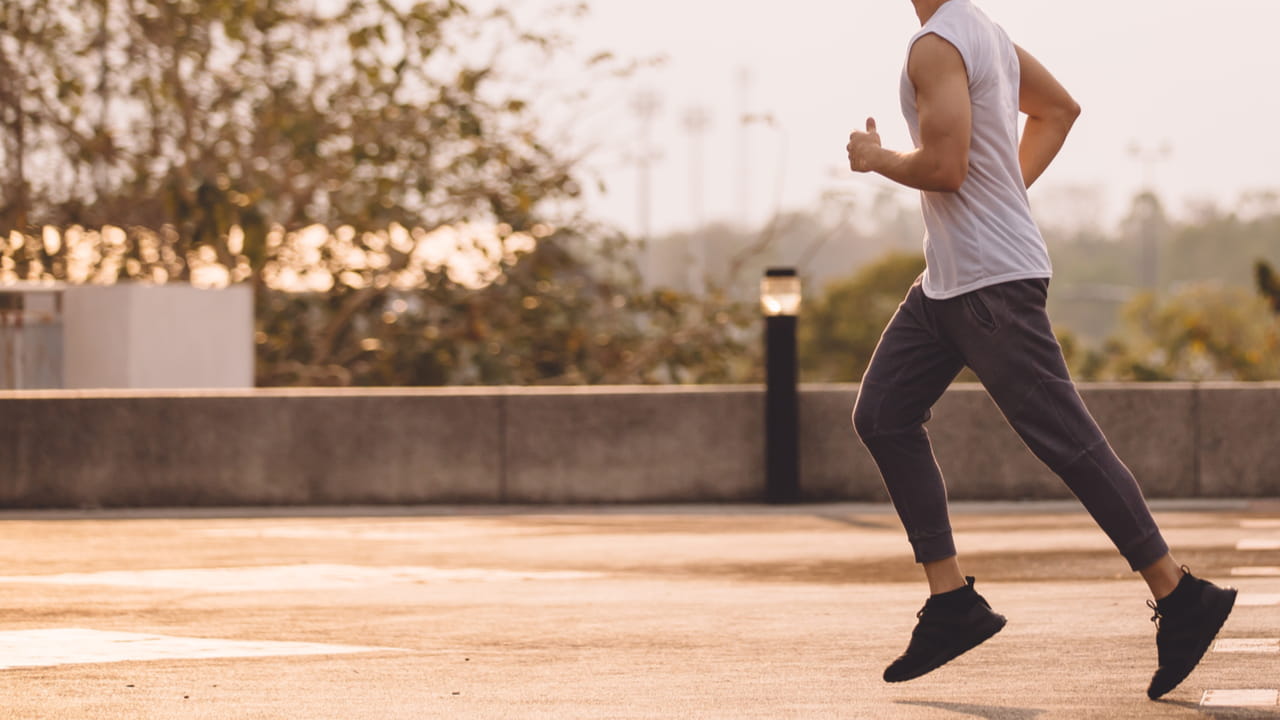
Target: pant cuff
(1146,552)
(933,548)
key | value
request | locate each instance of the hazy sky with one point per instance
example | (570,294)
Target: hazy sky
(1197,75)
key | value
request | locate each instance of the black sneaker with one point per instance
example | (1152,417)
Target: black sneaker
(1186,622)
(947,629)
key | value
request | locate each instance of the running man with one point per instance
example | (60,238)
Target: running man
(981,303)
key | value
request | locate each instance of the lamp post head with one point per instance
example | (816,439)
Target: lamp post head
(780,292)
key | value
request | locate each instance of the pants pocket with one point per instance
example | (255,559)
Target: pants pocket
(979,311)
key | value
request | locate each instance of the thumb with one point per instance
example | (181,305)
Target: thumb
(871,124)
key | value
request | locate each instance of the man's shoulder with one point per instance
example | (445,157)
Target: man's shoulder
(932,53)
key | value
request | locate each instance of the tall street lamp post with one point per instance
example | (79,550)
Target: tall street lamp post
(780,301)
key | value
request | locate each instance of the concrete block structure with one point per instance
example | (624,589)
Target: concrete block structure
(158,336)
(125,336)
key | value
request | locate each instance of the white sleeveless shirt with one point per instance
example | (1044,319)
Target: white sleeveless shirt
(983,234)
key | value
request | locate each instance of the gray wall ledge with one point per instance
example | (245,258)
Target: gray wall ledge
(633,444)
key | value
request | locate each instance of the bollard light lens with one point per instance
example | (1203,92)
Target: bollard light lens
(780,292)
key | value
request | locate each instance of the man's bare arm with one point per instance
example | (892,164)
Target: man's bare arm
(1051,111)
(941,163)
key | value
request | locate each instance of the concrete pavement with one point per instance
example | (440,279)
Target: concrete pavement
(618,612)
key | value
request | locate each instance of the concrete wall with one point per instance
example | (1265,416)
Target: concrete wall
(578,445)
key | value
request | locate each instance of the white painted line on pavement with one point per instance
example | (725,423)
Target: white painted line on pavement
(1256,571)
(71,646)
(1247,645)
(1258,599)
(1260,524)
(1258,544)
(291,577)
(411,533)
(402,531)
(1240,698)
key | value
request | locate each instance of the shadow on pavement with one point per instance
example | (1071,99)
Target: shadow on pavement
(990,712)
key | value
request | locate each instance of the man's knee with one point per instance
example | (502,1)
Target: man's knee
(864,417)
(874,418)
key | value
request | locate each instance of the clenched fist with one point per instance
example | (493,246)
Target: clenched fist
(862,147)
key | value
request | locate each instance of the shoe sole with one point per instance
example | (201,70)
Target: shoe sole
(1223,610)
(982,634)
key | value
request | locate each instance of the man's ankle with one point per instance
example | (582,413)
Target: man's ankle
(944,576)
(1163,576)
(1182,596)
(961,598)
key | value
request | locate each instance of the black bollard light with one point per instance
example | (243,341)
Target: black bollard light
(780,300)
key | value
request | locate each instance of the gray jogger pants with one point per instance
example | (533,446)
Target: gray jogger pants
(1002,333)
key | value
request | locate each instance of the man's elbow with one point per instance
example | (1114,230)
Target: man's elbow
(1068,112)
(1061,114)
(942,171)
(950,179)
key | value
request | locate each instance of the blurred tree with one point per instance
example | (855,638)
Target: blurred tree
(375,154)
(1095,275)
(205,115)
(844,231)
(548,317)
(1203,332)
(840,330)
(1220,246)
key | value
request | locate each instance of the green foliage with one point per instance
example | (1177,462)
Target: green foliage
(202,116)
(1202,322)
(550,317)
(840,330)
(1204,332)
